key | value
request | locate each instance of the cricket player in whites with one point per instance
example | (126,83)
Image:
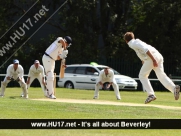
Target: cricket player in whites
(15,72)
(106,75)
(151,60)
(56,51)
(36,71)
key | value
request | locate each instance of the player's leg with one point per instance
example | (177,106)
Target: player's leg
(31,80)
(3,86)
(23,85)
(28,85)
(49,84)
(163,78)
(42,85)
(49,66)
(116,90)
(96,92)
(166,81)
(143,76)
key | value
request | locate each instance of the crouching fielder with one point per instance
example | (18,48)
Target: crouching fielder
(36,71)
(107,75)
(15,72)
(56,51)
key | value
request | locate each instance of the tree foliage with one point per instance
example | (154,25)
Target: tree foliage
(97,28)
(158,23)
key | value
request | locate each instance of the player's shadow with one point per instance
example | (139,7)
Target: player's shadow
(15,97)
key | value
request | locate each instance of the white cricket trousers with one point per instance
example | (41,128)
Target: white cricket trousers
(115,87)
(49,65)
(39,77)
(21,83)
(147,67)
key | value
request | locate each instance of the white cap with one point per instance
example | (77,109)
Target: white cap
(16,61)
(36,61)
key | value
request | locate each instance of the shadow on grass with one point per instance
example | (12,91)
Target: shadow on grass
(15,97)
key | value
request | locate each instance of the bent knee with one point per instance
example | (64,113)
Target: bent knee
(141,75)
(23,84)
(4,84)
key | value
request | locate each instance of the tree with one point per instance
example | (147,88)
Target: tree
(97,28)
(157,23)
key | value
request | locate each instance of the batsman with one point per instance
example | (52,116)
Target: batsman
(56,51)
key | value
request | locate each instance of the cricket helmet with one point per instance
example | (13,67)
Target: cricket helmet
(68,39)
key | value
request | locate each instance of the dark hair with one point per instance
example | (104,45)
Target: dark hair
(128,36)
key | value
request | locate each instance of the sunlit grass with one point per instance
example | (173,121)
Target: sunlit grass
(15,107)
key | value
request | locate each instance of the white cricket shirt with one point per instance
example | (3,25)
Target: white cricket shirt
(106,78)
(35,72)
(19,72)
(55,48)
(141,48)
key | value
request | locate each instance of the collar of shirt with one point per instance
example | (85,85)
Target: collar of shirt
(131,42)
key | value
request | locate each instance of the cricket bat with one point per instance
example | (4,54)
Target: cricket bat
(62,68)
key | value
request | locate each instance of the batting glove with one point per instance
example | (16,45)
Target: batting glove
(65,52)
(62,56)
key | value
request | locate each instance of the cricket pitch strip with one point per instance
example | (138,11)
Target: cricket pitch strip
(102,102)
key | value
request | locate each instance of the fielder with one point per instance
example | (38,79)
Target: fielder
(56,51)
(36,71)
(106,75)
(152,60)
(15,72)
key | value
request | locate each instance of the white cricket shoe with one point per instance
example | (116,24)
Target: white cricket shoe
(24,96)
(27,96)
(118,98)
(177,92)
(52,96)
(150,98)
(95,97)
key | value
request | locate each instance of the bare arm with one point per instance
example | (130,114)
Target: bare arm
(155,64)
(100,79)
(109,84)
(43,80)
(58,58)
(8,78)
(63,44)
(28,80)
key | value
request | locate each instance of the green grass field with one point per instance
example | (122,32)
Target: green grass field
(15,107)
